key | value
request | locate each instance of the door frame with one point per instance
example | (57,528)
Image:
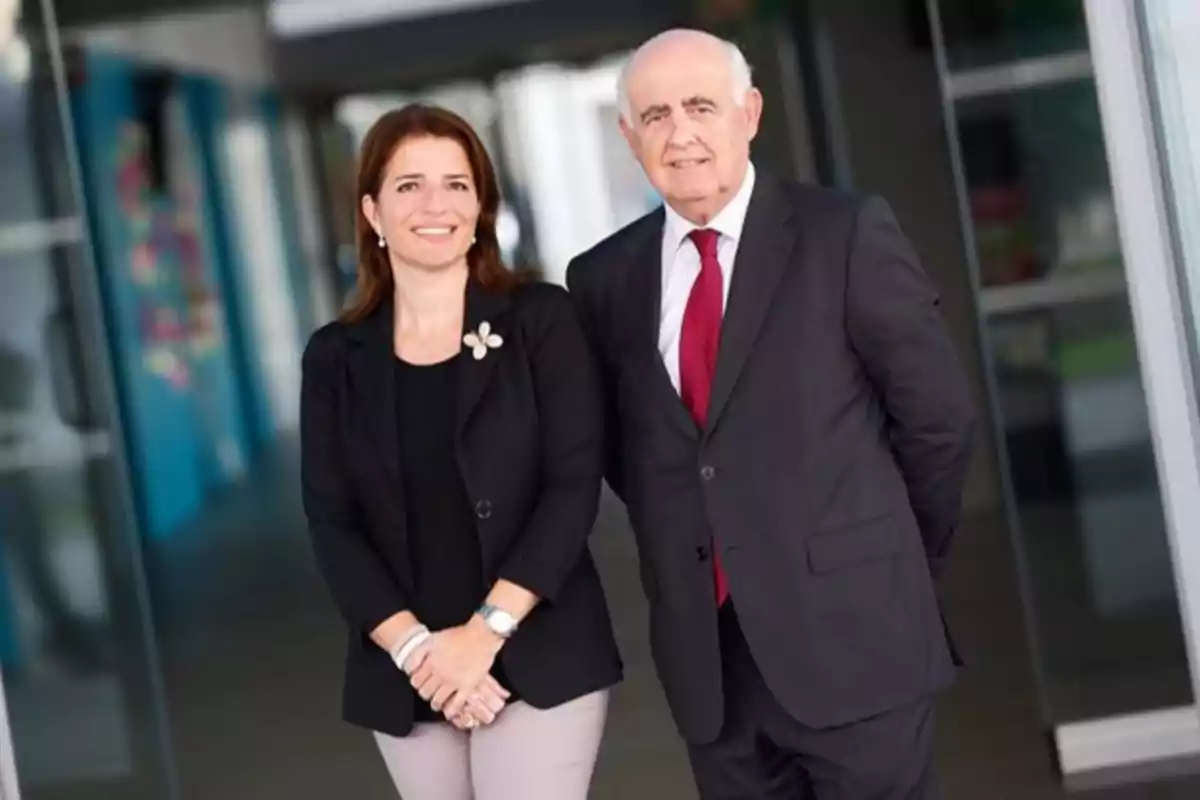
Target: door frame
(9,787)
(1116,38)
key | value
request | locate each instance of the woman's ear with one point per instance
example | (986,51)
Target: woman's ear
(370,212)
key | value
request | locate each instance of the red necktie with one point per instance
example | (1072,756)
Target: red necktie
(698,342)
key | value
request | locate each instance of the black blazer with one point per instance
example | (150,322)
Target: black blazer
(530,450)
(830,472)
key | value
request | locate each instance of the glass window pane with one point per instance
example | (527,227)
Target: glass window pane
(78,671)
(987,33)
(1088,520)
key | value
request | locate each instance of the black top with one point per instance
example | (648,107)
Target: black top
(528,442)
(442,540)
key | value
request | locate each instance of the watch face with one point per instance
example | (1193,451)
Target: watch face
(501,621)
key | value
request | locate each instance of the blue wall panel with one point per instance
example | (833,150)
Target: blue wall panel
(138,270)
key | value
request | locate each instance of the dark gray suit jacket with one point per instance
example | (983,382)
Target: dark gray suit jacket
(830,473)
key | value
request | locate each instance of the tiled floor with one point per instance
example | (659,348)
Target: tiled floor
(252,653)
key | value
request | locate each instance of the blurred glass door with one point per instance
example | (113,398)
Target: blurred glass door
(1066,378)
(80,679)
(1070,202)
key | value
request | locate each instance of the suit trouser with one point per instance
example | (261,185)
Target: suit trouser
(525,754)
(763,753)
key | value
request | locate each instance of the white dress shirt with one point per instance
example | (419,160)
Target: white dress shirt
(681,267)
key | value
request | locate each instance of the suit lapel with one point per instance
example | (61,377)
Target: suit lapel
(481,306)
(373,375)
(646,290)
(768,238)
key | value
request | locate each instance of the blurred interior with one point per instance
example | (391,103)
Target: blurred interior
(178,218)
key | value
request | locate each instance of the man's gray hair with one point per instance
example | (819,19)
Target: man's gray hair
(739,68)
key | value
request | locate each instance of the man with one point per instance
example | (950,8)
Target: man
(791,431)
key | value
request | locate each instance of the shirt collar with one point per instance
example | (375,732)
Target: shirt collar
(728,222)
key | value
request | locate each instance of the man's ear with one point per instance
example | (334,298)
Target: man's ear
(628,132)
(752,107)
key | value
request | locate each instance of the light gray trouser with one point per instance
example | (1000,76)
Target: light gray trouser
(525,754)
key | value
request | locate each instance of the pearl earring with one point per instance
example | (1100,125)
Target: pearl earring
(472,238)
(382,241)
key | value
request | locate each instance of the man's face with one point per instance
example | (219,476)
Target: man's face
(687,129)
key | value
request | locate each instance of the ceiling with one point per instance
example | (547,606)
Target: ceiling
(479,41)
(71,13)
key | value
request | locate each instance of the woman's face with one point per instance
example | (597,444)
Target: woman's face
(428,205)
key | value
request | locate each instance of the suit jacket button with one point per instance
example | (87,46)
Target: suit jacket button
(707,472)
(483,509)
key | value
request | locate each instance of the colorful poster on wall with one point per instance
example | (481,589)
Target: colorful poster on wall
(216,400)
(134,250)
(162,331)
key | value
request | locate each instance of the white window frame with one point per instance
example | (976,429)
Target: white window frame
(1159,320)
(9,788)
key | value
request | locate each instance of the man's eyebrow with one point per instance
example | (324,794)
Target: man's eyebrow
(698,100)
(652,110)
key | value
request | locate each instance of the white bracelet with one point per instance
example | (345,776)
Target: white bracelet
(416,640)
(416,629)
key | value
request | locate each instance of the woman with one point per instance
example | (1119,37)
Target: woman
(452,446)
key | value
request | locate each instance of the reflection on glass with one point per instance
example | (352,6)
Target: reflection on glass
(990,33)
(1089,523)
(1037,184)
(54,636)
(73,636)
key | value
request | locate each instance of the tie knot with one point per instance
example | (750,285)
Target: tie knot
(705,240)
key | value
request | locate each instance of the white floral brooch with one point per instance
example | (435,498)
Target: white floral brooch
(482,340)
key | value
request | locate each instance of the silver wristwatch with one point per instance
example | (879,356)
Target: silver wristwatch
(499,621)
